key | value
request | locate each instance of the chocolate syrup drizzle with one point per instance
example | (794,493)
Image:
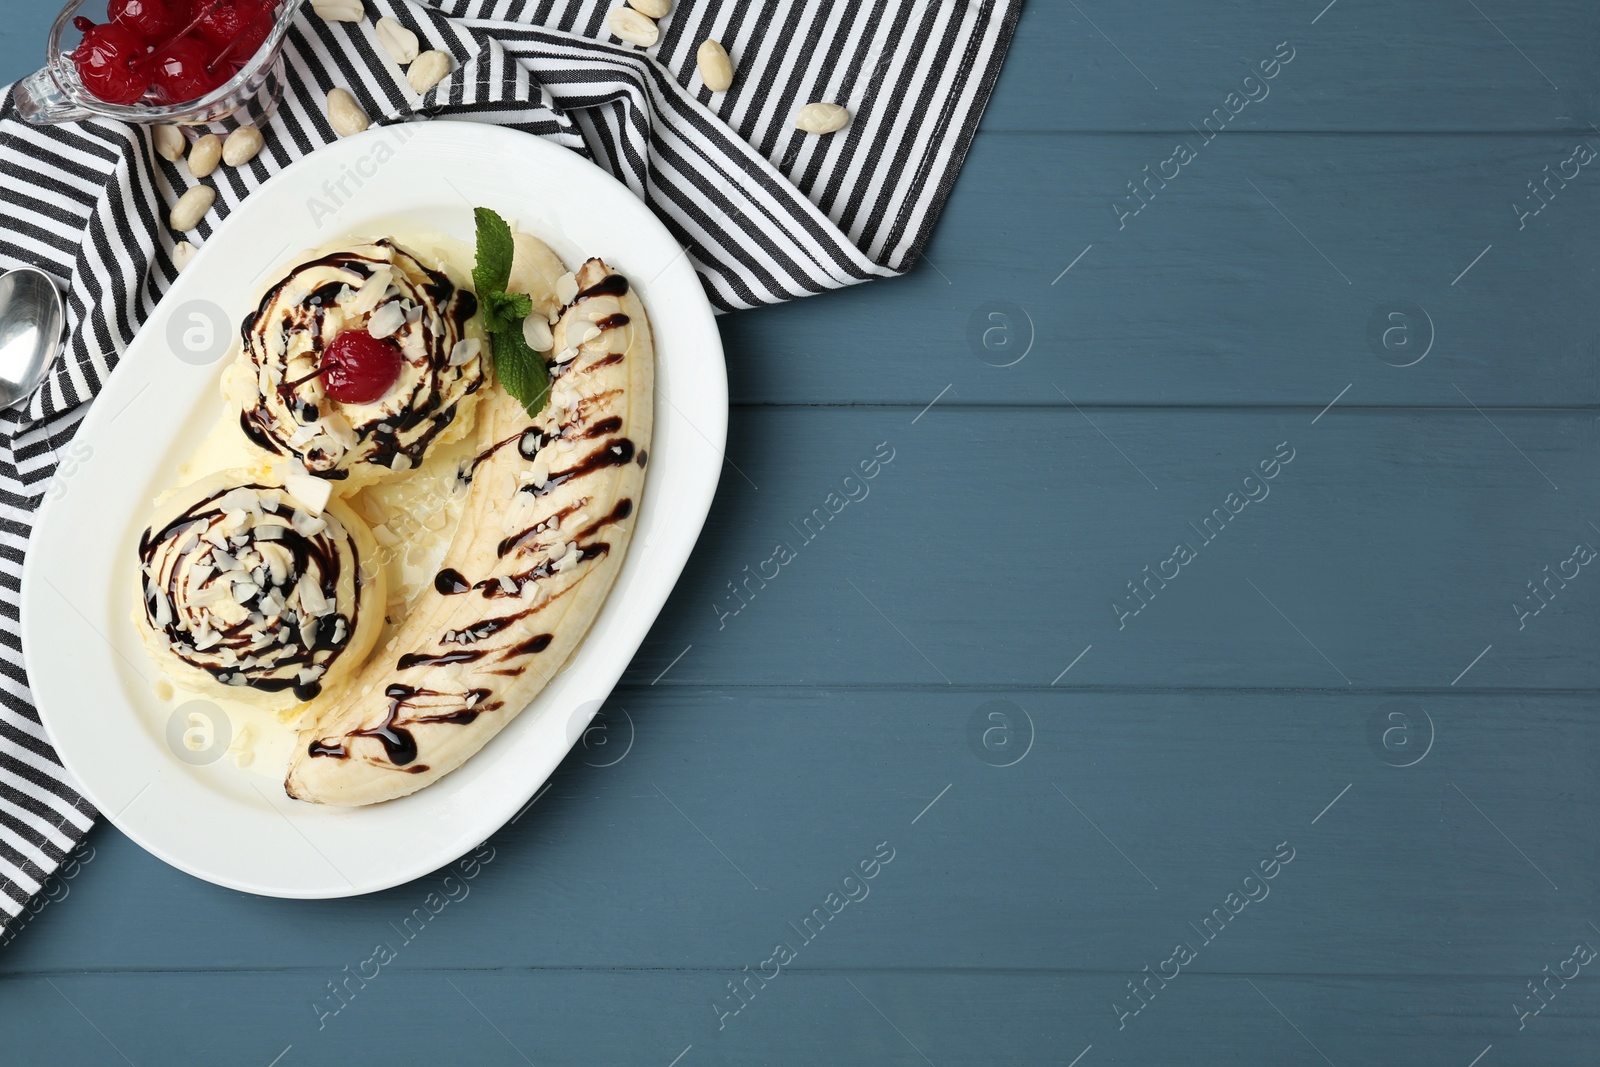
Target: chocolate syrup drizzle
(256,636)
(409,706)
(385,433)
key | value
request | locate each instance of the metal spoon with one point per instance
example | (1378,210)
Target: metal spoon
(31,320)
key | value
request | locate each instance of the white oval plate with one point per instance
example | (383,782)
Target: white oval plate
(90,674)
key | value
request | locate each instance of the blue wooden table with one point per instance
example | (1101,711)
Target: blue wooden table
(1206,676)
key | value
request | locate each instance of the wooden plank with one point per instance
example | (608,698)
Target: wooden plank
(978,1019)
(1091,833)
(1266,272)
(1358,65)
(991,551)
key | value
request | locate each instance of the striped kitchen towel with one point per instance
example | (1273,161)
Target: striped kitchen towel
(767,213)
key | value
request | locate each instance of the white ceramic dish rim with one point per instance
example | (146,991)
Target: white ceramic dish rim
(82,657)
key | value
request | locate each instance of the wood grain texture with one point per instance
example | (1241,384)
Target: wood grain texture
(1028,525)
(952,1018)
(1354,663)
(1433,65)
(1253,277)
(1143,809)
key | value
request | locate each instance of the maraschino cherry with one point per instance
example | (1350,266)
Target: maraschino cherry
(152,20)
(358,368)
(183,71)
(223,21)
(107,62)
(186,48)
(250,39)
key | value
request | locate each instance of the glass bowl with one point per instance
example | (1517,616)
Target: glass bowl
(55,95)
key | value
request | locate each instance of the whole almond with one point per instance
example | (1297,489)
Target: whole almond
(822,118)
(339,10)
(428,70)
(204,155)
(344,114)
(633,27)
(716,69)
(192,207)
(399,42)
(656,9)
(169,142)
(241,146)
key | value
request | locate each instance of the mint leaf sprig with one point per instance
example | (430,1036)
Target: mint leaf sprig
(522,371)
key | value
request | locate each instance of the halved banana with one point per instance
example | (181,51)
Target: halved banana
(546,524)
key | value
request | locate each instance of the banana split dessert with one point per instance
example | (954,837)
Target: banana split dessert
(506,414)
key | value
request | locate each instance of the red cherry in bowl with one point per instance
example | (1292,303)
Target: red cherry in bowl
(181,72)
(106,62)
(359,368)
(251,38)
(239,51)
(220,21)
(152,20)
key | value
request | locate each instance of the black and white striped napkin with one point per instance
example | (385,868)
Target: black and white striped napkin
(766,212)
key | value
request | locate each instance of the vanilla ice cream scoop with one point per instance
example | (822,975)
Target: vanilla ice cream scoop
(356,425)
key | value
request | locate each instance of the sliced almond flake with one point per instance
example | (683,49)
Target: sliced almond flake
(536,333)
(465,351)
(371,291)
(240,499)
(566,288)
(310,596)
(204,598)
(307,525)
(507,584)
(386,320)
(338,428)
(312,492)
